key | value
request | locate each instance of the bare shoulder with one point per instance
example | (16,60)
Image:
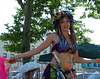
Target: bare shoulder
(49,40)
(52,36)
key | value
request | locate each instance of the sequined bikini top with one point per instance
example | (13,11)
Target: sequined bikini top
(64,46)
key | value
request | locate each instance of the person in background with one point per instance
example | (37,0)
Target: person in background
(64,49)
(4,68)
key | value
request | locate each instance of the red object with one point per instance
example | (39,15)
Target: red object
(62,12)
(4,68)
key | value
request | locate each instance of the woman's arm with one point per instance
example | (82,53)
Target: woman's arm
(81,60)
(40,48)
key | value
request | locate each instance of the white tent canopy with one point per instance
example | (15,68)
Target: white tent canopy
(95,75)
(28,66)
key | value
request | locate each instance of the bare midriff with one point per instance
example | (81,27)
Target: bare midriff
(65,60)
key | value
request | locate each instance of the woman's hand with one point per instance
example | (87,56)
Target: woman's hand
(13,60)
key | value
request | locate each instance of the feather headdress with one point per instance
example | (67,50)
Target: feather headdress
(57,16)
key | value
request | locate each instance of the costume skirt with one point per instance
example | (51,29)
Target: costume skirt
(51,73)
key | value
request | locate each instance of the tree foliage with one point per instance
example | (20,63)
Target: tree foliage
(92,8)
(31,25)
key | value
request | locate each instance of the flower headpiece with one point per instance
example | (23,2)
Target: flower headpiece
(61,14)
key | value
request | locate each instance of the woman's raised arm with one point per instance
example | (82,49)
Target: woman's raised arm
(40,48)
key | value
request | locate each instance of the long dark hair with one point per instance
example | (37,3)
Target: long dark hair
(59,31)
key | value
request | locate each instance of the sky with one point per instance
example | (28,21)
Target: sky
(92,24)
(7,9)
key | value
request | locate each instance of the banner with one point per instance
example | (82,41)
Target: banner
(91,65)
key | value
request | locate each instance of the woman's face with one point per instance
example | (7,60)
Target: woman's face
(65,24)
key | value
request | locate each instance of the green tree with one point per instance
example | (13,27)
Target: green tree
(30,25)
(92,8)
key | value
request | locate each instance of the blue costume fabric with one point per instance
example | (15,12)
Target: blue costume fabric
(64,46)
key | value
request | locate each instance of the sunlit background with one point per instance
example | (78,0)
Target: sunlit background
(7,9)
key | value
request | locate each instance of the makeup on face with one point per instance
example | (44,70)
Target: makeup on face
(65,22)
